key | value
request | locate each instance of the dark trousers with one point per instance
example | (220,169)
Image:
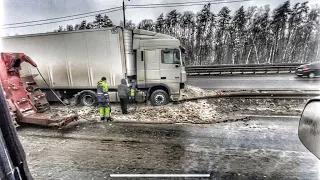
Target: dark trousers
(124,105)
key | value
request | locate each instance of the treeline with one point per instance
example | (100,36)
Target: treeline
(99,22)
(254,35)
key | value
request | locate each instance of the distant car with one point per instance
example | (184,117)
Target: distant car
(310,70)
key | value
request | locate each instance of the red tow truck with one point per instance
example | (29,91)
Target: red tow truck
(27,103)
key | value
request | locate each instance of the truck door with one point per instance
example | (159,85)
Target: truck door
(170,69)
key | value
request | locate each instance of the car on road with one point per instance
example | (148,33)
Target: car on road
(309,70)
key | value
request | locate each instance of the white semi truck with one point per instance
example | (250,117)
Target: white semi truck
(73,62)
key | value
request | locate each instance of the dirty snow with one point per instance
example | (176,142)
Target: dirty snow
(198,111)
(192,92)
(242,106)
(188,112)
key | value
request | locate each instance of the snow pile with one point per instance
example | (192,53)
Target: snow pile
(200,111)
(188,112)
(192,92)
(88,113)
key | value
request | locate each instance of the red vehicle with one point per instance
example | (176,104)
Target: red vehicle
(26,101)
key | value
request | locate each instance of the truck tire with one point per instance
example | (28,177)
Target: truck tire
(88,99)
(159,98)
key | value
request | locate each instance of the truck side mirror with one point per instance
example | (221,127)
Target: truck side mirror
(309,127)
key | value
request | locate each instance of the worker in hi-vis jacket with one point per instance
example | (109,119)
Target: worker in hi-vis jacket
(103,99)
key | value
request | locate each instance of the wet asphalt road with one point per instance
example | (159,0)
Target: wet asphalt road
(262,148)
(263,82)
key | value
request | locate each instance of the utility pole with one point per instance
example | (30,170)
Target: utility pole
(124,14)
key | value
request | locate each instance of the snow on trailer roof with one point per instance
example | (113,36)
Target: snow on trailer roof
(144,34)
(62,32)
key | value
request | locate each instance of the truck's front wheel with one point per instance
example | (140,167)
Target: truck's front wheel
(159,98)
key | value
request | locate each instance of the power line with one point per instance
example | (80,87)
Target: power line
(193,2)
(190,3)
(58,21)
(62,17)
(182,4)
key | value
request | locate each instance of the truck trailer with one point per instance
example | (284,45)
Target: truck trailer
(73,62)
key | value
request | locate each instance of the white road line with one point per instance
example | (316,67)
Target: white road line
(228,79)
(159,175)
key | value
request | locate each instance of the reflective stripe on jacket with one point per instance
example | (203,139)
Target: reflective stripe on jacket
(132,92)
(102,92)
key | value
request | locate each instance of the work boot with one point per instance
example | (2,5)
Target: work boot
(109,119)
(102,118)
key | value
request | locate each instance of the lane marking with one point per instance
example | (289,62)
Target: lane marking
(260,80)
(159,175)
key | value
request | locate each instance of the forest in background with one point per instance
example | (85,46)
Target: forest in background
(253,35)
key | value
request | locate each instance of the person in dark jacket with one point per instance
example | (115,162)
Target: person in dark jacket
(124,94)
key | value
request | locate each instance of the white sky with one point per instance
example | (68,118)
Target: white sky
(15,11)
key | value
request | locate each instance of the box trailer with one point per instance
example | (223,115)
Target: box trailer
(73,62)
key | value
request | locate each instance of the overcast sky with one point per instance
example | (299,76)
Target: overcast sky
(15,11)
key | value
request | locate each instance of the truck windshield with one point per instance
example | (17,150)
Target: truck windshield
(171,56)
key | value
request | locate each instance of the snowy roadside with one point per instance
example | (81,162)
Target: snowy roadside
(188,112)
(197,111)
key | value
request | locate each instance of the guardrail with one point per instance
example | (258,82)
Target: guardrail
(241,69)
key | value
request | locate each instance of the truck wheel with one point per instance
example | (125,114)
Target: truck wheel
(159,98)
(88,99)
(311,75)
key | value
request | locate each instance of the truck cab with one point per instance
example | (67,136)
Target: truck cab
(157,65)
